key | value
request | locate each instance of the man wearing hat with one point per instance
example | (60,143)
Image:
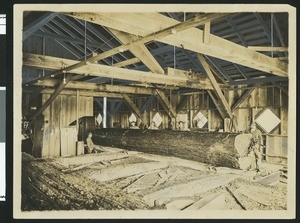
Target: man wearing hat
(256,146)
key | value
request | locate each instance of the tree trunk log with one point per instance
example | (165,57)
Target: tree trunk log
(213,148)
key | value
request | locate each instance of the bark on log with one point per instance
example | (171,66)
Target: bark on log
(213,148)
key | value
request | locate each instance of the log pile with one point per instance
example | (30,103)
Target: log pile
(217,149)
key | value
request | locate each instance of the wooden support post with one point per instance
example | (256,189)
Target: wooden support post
(245,95)
(104,112)
(183,102)
(285,90)
(165,103)
(53,96)
(206,33)
(223,103)
(133,107)
(77,110)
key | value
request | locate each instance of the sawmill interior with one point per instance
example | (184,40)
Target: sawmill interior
(154,111)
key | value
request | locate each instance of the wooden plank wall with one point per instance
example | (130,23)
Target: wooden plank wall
(259,99)
(276,149)
(60,114)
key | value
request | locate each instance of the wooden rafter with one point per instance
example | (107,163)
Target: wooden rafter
(195,21)
(140,51)
(165,103)
(98,70)
(191,39)
(223,102)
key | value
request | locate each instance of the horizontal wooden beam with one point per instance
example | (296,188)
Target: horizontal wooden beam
(85,93)
(98,70)
(268,48)
(76,85)
(191,39)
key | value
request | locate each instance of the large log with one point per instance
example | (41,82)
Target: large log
(213,148)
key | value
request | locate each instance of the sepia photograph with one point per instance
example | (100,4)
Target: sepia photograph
(154,111)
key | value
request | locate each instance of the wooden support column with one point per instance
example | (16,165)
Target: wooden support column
(183,102)
(133,107)
(53,96)
(220,97)
(165,103)
(77,110)
(285,90)
(245,95)
(104,112)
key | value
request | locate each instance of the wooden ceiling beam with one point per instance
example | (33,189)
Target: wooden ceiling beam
(199,19)
(191,39)
(98,70)
(79,85)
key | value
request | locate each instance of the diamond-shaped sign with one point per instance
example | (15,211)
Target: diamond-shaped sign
(132,118)
(200,119)
(157,119)
(267,120)
(99,119)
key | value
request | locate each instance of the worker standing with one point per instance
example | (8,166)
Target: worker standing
(256,146)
